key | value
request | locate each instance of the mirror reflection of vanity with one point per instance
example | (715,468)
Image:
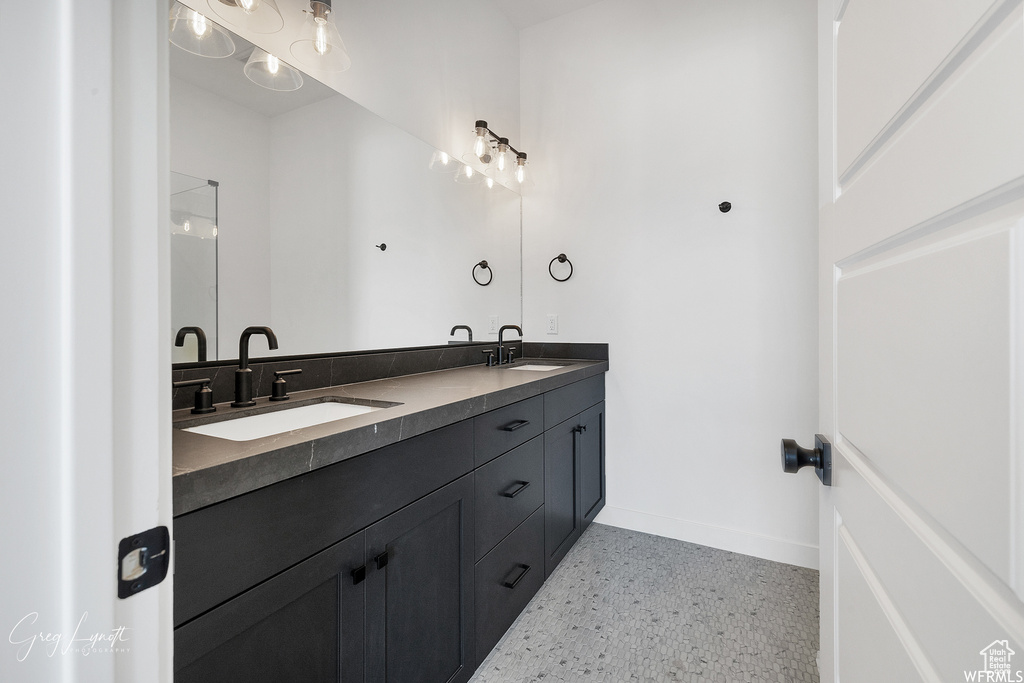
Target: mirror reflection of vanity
(309,188)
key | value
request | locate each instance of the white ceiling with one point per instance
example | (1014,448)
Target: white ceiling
(523,13)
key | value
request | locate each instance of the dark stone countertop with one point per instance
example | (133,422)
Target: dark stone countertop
(207,470)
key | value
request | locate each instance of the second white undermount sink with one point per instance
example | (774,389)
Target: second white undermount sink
(281,421)
(536,367)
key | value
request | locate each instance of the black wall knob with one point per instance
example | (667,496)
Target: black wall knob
(795,457)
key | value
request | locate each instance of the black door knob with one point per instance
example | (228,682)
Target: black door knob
(820,458)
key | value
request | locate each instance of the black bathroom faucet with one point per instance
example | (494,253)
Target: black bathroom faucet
(179,340)
(467,328)
(243,375)
(502,356)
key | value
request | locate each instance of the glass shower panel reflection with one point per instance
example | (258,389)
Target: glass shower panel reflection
(193,264)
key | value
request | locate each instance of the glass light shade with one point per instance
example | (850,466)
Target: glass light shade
(468,175)
(195,33)
(258,16)
(266,70)
(322,47)
(442,162)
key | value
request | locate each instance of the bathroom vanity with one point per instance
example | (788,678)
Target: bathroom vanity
(397,545)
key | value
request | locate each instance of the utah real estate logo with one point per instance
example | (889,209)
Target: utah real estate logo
(997,666)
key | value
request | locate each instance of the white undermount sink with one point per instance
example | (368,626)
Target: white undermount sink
(281,421)
(536,367)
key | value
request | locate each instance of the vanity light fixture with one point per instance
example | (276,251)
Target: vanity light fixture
(257,16)
(266,70)
(322,48)
(489,147)
(195,33)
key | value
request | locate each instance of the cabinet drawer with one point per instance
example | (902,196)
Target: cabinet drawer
(229,547)
(564,402)
(503,429)
(506,579)
(508,489)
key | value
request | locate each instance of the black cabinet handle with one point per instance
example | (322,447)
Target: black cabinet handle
(515,489)
(358,574)
(514,425)
(579,429)
(382,560)
(525,569)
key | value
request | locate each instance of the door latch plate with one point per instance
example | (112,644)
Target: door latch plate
(142,561)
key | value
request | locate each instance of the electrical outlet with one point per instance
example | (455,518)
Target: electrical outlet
(493,325)
(552,324)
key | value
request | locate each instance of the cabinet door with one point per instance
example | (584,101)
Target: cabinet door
(590,447)
(305,624)
(561,506)
(419,592)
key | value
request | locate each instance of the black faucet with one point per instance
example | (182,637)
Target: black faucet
(462,327)
(502,357)
(179,340)
(243,375)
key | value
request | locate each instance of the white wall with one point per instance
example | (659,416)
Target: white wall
(216,139)
(640,116)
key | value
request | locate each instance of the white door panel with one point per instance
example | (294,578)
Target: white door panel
(922,332)
(923,170)
(918,416)
(876,629)
(881,64)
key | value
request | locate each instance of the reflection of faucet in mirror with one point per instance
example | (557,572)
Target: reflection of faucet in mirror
(243,375)
(502,357)
(462,327)
(179,340)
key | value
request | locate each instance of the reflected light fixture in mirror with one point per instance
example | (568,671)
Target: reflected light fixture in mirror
(468,175)
(442,162)
(195,33)
(322,47)
(266,70)
(258,16)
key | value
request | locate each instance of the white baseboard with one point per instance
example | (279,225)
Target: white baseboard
(744,542)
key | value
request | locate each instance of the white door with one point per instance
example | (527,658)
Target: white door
(85,397)
(922,339)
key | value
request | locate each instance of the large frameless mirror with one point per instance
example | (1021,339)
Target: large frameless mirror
(332,225)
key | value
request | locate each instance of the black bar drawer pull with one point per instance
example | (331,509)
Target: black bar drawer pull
(514,425)
(358,575)
(382,560)
(515,489)
(515,582)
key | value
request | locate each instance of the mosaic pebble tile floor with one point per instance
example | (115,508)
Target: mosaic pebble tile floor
(626,606)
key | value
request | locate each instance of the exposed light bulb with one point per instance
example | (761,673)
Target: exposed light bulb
(445,158)
(490,183)
(320,42)
(215,231)
(468,171)
(479,146)
(273,64)
(502,160)
(521,168)
(248,6)
(199,24)
(186,225)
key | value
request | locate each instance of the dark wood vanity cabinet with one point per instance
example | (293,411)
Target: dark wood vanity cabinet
(306,624)
(403,565)
(419,590)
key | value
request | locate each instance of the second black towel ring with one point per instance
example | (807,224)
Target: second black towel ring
(561,258)
(483,265)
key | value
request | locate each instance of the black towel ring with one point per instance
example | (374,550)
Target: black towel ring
(561,258)
(483,265)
